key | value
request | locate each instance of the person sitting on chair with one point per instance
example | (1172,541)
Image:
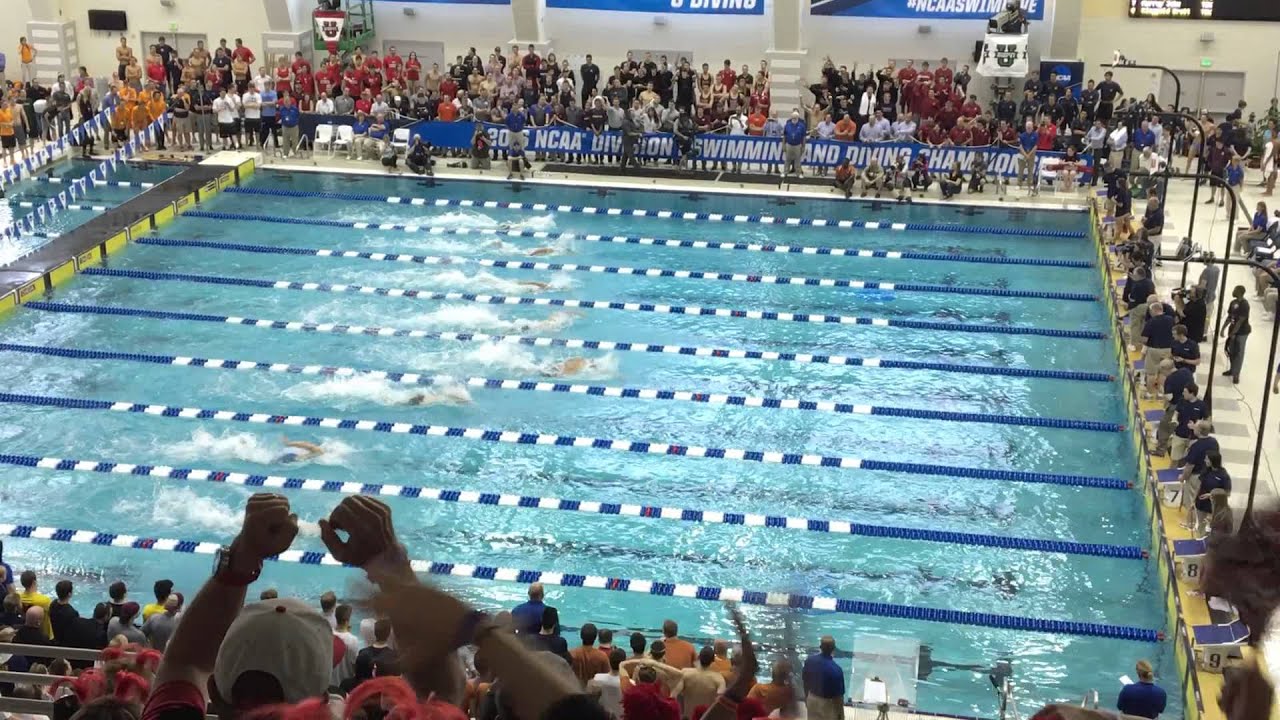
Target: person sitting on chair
(389,157)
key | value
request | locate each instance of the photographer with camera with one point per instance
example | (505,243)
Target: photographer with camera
(1192,308)
(1138,291)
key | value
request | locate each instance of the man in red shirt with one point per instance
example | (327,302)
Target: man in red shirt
(1048,135)
(352,82)
(935,135)
(304,84)
(299,63)
(925,106)
(727,76)
(365,103)
(1006,135)
(240,52)
(906,81)
(448,88)
(948,115)
(373,81)
(325,80)
(373,66)
(924,82)
(944,76)
(960,134)
(532,65)
(971,108)
(980,135)
(393,66)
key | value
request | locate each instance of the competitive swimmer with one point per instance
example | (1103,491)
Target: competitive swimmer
(569,367)
(298,451)
(452,394)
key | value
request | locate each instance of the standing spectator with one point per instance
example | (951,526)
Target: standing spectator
(1157,338)
(242,53)
(1235,178)
(679,653)
(527,616)
(288,115)
(1143,698)
(587,660)
(777,694)
(62,615)
(124,54)
(345,669)
(159,627)
(162,589)
(824,683)
(122,624)
(379,658)
(32,597)
(1237,333)
(700,685)
(1028,143)
(793,137)
(270,126)
(1189,411)
(607,687)
(1109,93)
(548,637)
(590,75)
(27,57)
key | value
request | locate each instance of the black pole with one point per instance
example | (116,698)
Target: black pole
(1266,398)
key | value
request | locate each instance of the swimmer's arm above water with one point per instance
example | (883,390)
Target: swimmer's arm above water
(311,449)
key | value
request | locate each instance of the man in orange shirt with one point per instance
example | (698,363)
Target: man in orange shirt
(846,129)
(139,116)
(755,122)
(777,693)
(447,111)
(27,54)
(721,664)
(680,653)
(587,660)
(156,109)
(8,139)
(121,115)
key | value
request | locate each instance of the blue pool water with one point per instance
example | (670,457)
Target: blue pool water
(1042,585)
(37,191)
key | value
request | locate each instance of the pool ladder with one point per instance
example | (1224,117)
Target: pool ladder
(1008,702)
(1090,700)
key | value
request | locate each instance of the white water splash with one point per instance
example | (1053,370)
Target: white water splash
(248,447)
(480,318)
(355,389)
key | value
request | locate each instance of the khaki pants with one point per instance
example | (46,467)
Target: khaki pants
(824,708)
(1189,489)
(290,137)
(1178,448)
(1136,322)
(1164,429)
(1151,360)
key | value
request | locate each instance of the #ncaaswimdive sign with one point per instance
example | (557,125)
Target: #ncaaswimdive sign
(679,7)
(923,9)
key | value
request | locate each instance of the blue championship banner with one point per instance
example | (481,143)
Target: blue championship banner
(731,148)
(683,7)
(923,9)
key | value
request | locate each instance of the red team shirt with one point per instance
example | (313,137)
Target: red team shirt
(960,135)
(936,135)
(352,82)
(305,84)
(413,69)
(392,66)
(282,79)
(944,76)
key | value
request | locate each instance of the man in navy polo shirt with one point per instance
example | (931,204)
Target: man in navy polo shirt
(1144,137)
(1190,409)
(1137,293)
(1157,337)
(1185,351)
(1028,140)
(1192,464)
(1174,380)
(793,137)
(516,119)
(1143,698)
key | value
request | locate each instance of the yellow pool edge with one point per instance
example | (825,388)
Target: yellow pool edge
(68,268)
(1185,608)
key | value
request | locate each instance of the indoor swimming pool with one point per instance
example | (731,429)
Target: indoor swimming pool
(586,381)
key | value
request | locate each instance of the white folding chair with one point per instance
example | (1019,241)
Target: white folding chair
(324,137)
(400,140)
(345,139)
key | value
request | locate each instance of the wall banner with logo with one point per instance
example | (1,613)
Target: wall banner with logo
(1004,56)
(728,148)
(923,9)
(679,7)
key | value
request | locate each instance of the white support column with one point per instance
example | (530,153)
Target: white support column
(787,53)
(275,44)
(56,49)
(528,17)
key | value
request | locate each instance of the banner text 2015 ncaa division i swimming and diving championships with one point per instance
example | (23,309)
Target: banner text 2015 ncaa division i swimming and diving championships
(923,9)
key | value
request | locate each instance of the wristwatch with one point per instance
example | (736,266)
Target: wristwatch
(225,572)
